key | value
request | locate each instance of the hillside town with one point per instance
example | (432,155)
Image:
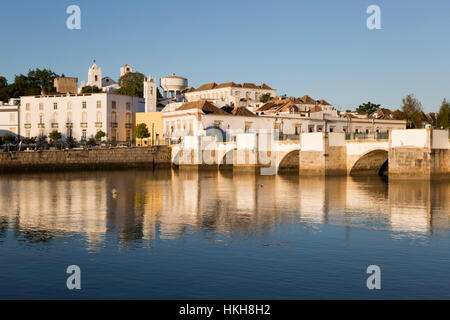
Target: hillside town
(137,110)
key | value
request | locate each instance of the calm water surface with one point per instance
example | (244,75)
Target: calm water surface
(210,235)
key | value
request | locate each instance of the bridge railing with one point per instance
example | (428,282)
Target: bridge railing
(367,136)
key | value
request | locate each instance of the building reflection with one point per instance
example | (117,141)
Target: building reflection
(134,206)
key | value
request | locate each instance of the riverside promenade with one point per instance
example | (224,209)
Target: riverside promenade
(89,159)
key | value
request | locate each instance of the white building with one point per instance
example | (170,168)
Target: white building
(107,84)
(230,93)
(9,117)
(80,116)
(196,118)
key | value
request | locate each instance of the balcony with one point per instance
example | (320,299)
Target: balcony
(128,125)
(113,124)
(27,125)
(69,125)
(99,124)
(84,124)
(54,126)
(41,125)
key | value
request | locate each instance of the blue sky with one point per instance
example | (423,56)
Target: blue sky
(321,48)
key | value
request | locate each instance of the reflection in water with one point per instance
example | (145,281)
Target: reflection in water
(143,205)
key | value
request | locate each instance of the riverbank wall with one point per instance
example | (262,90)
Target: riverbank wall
(87,159)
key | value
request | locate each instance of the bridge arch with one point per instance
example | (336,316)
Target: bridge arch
(373,162)
(290,161)
(227,160)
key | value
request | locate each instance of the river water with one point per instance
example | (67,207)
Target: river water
(214,235)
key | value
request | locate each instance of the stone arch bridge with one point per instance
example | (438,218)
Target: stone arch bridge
(406,154)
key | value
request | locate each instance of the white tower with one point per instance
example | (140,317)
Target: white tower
(150,94)
(125,69)
(95,76)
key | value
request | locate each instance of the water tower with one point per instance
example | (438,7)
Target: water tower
(173,86)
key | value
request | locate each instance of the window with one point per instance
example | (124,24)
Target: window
(84,117)
(55,117)
(128,117)
(69,117)
(128,106)
(28,134)
(41,118)
(69,105)
(28,118)
(27,106)
(99,104)
(113,104)
(96,78)
(12,117)
(83,135)
(99,117)
(128,135)
(55,106)
(83,104)
(113,117)
(41,106)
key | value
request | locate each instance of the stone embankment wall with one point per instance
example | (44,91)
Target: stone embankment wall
(114,158)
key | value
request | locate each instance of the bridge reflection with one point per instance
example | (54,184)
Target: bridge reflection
(134,206)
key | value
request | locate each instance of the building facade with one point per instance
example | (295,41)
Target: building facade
(230,93)
(9,117)
(154,123)
(196,118)
(80,116)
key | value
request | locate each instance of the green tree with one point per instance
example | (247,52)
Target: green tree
(398,115)
(412,109)
(131,84)
(265,97)
(55,135)
(99,135)
(443,117)
(4,89)
(91,89)
(368,107)
(141,131)
(8,138)
(91,142)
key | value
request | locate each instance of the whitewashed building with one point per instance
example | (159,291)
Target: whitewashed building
(230,93)
(9,117)
(196,118)
(80,116)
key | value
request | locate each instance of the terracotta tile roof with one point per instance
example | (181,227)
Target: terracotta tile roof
(323,102)
(308,100)
(265,86)
(205,106)
(275,105)
(242,111)
(382,113)
(213,85)
(226,85)
(207,86)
